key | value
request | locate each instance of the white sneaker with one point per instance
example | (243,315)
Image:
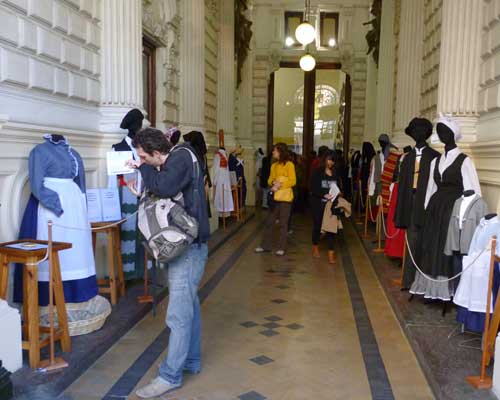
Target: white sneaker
(259,250)
(157,387)
(280,253)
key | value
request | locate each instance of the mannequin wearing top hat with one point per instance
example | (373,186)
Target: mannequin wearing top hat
(130,244)
(223,197)
(450,175)
(414,175)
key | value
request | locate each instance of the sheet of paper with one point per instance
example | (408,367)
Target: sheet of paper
(115,161)
(27,246)
(334,190)
(94,205)
(110,200)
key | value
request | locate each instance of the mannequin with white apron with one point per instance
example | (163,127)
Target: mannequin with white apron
(57,179)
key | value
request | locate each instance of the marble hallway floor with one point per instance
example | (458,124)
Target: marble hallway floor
(280,328)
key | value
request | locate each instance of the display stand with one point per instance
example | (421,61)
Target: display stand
(482,381)
(52,363)
(31,320)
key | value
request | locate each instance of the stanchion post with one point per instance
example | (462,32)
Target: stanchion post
(359,200)
(223,209)
(399,282)
(146,298)
(482,381)
(380,216)
(367,208)
(52,363)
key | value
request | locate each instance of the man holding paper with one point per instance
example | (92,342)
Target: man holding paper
(167,174)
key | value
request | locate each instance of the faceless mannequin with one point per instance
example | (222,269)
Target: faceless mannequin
(446,136)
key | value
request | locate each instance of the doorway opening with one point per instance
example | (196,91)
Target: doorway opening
(309,109)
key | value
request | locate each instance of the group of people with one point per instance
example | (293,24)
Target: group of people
(285,187)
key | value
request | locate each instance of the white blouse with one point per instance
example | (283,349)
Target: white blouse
(469,174)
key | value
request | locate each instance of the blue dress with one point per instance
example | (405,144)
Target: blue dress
(55,161)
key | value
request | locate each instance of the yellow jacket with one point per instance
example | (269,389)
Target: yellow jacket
(285,174)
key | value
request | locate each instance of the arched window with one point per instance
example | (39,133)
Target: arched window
(324,96)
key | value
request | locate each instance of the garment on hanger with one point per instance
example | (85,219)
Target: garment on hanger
(453,173)
(223,197)
(465,217)
(471,293)
(57,180)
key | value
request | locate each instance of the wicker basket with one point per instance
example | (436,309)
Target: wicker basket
(83,318)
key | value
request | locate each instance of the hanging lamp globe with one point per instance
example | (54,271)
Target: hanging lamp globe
(305,33)
(307,62)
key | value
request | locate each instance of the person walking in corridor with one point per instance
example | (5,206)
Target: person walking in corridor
(282,179)
(166,175)
(322,180)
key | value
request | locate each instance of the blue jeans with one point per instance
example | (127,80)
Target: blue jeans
(183,314)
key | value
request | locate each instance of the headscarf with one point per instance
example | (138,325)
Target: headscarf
(173,135)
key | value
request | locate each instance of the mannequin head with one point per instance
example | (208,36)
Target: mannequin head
(445,134)
(384,141)
(448,131)
(132,122)
(420,129)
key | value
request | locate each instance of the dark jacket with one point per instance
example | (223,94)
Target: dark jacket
(320,183)
(175,176)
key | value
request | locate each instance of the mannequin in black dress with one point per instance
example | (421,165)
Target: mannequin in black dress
(452,173)
(414,174)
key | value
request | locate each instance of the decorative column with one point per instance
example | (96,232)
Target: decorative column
(385,85)
(192,66)
(459,63)
(245,137)
(226,73)
(121,65)
(410,53)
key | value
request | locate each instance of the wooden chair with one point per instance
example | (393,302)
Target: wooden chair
(116,282)
(31,323)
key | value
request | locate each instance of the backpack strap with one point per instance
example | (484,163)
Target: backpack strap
(196,174)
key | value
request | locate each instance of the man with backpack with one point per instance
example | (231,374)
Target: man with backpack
(166,174)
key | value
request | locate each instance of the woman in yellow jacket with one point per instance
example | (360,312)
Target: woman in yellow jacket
(281,180)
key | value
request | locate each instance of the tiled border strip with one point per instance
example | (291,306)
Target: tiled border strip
(375,369)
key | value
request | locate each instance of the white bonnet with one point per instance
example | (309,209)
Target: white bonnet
(450,123)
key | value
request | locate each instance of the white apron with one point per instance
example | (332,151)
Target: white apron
(77,262)
(473,287)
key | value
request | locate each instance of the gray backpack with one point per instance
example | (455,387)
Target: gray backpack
(165,224)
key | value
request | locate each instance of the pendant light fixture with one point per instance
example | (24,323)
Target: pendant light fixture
(307,62)
(305,32)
